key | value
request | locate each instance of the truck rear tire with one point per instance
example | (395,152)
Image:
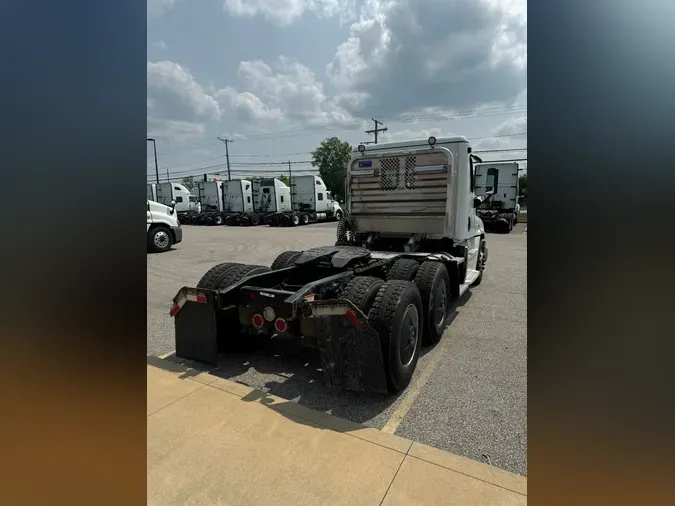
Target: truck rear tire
(361,291)
(403,269)
(397,316)
(295,219)
(240,272)
(285,221)
(284,259)
(218,220)
(433,282)
(304,218)
(159,239)
(255,220)
(211,280)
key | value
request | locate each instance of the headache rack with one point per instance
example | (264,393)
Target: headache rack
(400,193)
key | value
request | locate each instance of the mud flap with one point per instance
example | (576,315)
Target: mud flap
(195,325)
(350,351)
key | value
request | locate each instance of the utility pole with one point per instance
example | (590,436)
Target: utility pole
(167,175)
(154,144)
(289,172)
(227,155)
(376,130)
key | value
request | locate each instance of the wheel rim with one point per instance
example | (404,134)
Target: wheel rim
(409,334)
(441,303)
(161,239)
(296,220)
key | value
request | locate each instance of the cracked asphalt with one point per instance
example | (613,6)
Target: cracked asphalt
(469,392)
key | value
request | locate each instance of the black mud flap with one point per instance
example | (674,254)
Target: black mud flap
(349,347)
(195,324)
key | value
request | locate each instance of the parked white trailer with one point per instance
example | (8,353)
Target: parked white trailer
(310,202)
(497,186)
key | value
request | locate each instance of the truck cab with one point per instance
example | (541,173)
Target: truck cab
(186,202)
(163,227)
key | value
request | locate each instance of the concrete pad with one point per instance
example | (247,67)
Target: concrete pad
(314,417)
(165,387)
(212,447)
(420,482)
(483,472)
(179,370)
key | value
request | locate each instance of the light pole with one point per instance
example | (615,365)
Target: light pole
(154,144)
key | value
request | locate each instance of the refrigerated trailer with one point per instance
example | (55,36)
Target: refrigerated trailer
(310,202)
(497,186)
(408,244)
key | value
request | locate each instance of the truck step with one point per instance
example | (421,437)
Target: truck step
(471,276)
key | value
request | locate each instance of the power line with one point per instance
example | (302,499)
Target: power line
(307,153)
(355,124)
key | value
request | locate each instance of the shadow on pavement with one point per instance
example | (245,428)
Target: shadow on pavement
(288,370)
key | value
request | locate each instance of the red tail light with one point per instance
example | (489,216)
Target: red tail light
(280,325)
(258,321)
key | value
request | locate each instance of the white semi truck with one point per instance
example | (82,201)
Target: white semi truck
(310,202)
(409,243)
(241,202)
(163,227)
(168,193)
(497,186)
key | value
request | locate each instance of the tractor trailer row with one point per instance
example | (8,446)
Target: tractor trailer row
(240,202)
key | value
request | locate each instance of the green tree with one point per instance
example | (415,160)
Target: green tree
(522,183)
(189,182)
(332,157)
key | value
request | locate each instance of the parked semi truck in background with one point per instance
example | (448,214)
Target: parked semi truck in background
(163,228)
(497,186)
(167,193)
(310,202)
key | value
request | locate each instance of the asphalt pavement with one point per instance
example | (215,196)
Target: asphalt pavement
(469,392)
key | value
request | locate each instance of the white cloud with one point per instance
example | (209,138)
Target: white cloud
(285,12)
(287,93)
(157,8)
(505,135)
(160,44)
(176,95)
(404,135)
(408,54)
(174,132)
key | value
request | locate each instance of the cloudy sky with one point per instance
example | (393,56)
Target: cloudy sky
(278,76)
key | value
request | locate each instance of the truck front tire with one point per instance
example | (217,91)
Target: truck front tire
(159,239)
(397,316)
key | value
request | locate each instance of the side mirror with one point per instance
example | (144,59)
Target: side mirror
(477,202)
